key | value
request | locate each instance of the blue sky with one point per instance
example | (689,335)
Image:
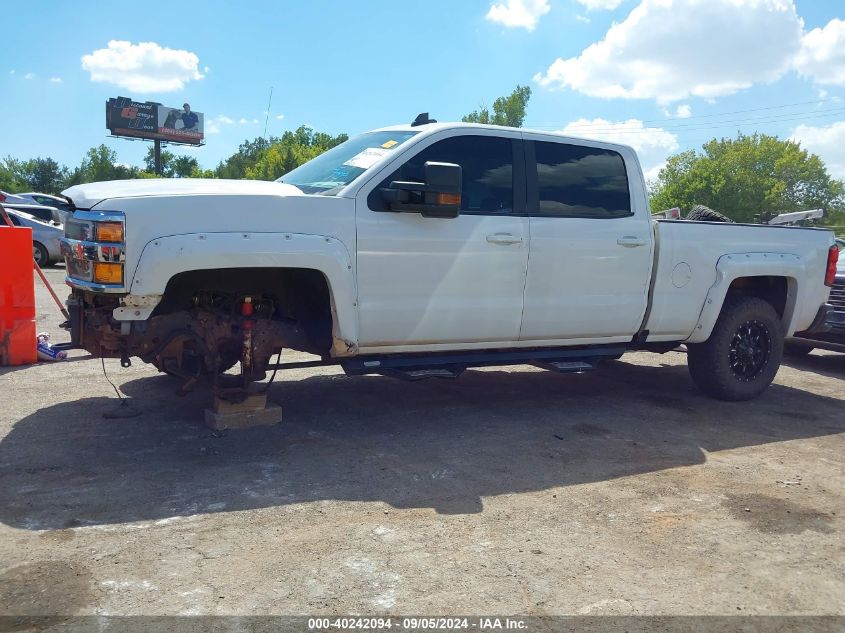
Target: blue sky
(662,75)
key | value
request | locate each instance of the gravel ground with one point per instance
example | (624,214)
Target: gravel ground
(510,491)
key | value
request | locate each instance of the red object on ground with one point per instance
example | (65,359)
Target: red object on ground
(17,297)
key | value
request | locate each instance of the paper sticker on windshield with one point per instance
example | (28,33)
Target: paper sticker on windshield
(367,158)
(389,144)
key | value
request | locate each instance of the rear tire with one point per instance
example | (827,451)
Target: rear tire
(701,213)
(40,255)
(742,355)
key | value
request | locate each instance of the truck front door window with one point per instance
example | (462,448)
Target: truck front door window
(487,166)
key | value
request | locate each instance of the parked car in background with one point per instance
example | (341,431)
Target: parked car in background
(11,198)
(50,215)
(48,200)
(46,248)
(45,213)
(832,335)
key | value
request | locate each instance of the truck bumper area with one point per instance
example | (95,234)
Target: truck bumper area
(90,325)
(188,342)
(827,330)
(820,324)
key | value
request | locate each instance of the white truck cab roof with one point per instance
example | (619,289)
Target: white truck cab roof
(498,130)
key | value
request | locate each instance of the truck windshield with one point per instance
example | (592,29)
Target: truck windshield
(336,168)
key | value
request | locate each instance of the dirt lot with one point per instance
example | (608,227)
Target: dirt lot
(621,491)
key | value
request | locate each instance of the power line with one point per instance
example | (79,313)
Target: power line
(701,125)
(601,128)
(675,120)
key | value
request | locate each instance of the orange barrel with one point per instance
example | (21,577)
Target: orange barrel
(17,296)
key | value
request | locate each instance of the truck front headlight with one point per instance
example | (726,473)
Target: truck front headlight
(108,231)
(108,273)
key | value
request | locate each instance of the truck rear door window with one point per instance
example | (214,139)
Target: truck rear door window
(574,181)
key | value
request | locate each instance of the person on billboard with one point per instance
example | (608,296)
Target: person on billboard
(190,120)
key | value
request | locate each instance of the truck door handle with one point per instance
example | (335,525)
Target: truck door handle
(503,238)
(631,241)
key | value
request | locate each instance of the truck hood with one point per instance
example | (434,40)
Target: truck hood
(89,195)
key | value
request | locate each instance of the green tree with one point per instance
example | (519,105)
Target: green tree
(172,166)
(167,158)
(509,110)
(747,178)
(9,179)
(185,167)
(268,159)
(236,165)
(44,175)
(100,163)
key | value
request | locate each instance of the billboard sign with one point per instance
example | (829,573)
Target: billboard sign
(153,121)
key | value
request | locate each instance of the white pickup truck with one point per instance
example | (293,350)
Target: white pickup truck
(420,250)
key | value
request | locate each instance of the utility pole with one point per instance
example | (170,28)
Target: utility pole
(157,144)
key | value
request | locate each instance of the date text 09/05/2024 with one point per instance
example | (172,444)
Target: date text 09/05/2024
(416,623)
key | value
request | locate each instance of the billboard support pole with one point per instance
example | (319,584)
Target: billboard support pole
(157,157)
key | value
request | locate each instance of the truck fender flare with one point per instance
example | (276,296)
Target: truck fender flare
(164,257)
(736,265)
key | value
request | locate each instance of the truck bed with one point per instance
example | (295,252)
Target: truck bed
(693,259)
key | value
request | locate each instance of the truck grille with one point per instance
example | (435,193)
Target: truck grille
(837,295)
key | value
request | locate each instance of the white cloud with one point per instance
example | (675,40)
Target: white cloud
(822,54)
(213,126)
(683,111)
(55,80)
(254,121)
(143,67)
(242,121)
(652,144)
(669,50)
(29,76)
(518,13)
(11,72)
(828,141)
(597,5)
(583,18)
(279,117)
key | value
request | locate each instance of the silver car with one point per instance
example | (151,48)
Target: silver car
(47,200)
(28,205)
(46,248)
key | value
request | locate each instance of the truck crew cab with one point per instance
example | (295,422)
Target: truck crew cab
(424,249)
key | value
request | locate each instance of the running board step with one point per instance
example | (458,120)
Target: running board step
(423,373)
(567,366)
(451,364)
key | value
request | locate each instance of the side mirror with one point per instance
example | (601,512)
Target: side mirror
(438,197)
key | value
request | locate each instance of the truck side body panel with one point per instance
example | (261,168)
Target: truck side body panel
(693,269)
